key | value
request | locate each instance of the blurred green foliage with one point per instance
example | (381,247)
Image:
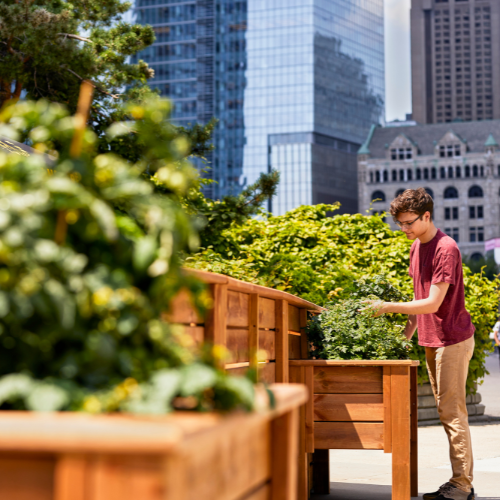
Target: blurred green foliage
(88,264)
(485,266)
(318,257)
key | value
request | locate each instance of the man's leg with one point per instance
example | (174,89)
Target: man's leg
(450,375)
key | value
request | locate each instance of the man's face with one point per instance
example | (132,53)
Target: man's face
(414,225)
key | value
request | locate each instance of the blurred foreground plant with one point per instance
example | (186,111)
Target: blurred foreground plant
(88,264)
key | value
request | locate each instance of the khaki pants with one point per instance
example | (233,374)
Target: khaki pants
(448,367)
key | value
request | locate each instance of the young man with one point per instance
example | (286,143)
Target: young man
(444,328)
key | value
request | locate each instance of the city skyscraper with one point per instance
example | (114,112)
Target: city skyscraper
(295,86)
(455,56)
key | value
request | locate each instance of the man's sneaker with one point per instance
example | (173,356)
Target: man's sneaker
(449,492)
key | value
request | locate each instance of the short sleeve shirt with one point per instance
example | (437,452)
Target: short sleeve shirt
(439,261)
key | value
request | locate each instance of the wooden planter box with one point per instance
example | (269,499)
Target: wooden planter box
(246,318)
(74,456)
(369,405)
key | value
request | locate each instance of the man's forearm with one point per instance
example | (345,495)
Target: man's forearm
(424,306)
(411,326)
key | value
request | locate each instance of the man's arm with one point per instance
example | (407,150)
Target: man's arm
(411,326)
(424,306)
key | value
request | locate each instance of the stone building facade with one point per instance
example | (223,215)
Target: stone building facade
(458,164)
(455,56)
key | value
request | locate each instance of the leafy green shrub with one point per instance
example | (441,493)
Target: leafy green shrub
(311,254)
(88,264)
(346,330)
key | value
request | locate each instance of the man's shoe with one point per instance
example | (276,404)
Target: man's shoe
(449,492)
(435,494)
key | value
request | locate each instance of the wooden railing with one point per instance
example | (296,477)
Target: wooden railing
(247,318)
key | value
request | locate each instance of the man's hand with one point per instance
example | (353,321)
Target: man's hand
(376,307)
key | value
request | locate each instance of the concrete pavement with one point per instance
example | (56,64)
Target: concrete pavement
(366,474)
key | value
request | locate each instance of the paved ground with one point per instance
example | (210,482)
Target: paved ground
(366,474)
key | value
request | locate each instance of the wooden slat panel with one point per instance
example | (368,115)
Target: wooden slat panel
(348,380)
(197,333)
(294,347)
(267,313)
(237,344)
(230,463)
(182,310)
(237,309)
(348,435)
(400,408)
(26,478)
(71,475)
(348,408)
(293,318)
(282,349)
(216,321)
(387,410)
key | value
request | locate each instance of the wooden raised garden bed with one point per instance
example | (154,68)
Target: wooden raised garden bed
(245,318)
(182,456)
(369,405)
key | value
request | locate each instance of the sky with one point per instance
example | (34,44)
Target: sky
(397,59)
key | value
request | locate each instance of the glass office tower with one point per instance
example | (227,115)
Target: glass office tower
(295,85)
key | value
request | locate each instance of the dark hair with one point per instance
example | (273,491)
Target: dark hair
(417,201)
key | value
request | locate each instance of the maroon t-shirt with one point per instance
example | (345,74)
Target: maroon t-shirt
(439,261)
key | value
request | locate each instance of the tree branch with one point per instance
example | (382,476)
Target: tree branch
(76,37)
(114,96)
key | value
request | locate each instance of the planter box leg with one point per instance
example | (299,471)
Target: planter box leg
(284,448)
(414,432)
(400,409)
(321,472)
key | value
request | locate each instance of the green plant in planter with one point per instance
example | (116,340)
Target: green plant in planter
(88,264)
(347,331)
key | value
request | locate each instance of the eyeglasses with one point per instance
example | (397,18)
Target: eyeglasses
(406,224)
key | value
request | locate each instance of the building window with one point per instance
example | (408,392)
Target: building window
(467,170)
(476,192)
(429,191)
(451,213)
(474,171)
(476,212)
(377,176)
(458,172)
(498,170)
(371,177)
(418,173)
(401,154)
(426,173)
(452,233)
(394,175)
(409,173)
(450,172)
(399,191)
(401,175)
(442,173)
(378,196)
(481,171)
(476,234)
(434,172)
(386,176)
(450,193)
(447,213)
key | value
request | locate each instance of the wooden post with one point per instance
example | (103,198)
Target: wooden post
(297,376)
(414,431)
(304,345)
(284,446)
(215,323)
(281,341)
(309,381)
(253,333)
(321,472)
(400,416)
(70,477)
(387,409)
